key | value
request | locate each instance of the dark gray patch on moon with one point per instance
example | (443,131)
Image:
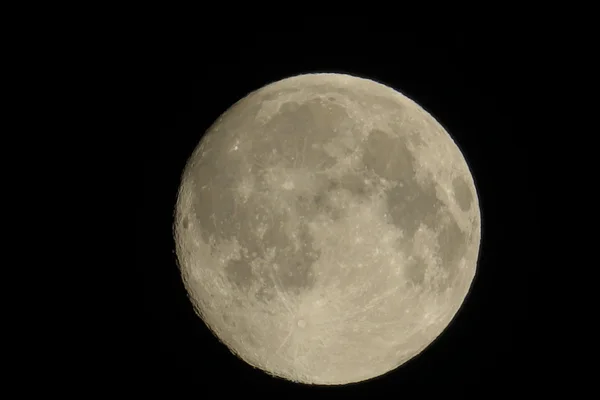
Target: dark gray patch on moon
(298,131)
(314,119)
(411,203)
(388,157)
(462,193)
(324,205)
(415,270)
(323,201)
(453,243)
(474,231)
(239,272)
(356,185)
(295,264)
(305,205)
(294,272)
(289,108)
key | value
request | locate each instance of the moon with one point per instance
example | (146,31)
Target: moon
(327,229)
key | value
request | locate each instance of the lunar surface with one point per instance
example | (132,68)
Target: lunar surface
(327,229)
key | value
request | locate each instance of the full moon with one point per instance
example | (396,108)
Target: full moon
(327,229)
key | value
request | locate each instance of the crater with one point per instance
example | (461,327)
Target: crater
(462,193)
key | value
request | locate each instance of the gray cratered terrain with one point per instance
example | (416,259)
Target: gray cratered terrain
(327,229)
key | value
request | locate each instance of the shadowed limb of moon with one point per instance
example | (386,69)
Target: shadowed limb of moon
(327,229)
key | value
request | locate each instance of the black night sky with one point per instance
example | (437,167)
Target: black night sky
(475,85)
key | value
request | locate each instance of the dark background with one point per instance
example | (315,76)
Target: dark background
(477,86)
